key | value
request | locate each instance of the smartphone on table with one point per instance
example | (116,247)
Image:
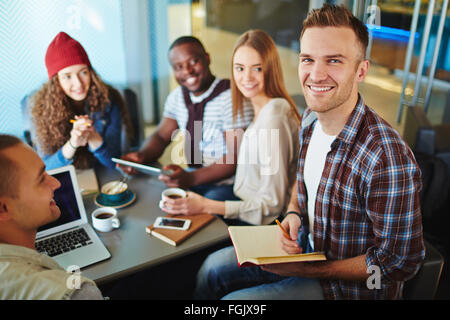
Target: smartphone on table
(172,223)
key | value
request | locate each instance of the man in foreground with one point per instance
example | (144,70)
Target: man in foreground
(26,203)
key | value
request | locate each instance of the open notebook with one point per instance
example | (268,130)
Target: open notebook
(258,245)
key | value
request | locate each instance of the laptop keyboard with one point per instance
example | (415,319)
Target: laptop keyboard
(64,242)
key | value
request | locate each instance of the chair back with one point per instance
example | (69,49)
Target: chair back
(425,283)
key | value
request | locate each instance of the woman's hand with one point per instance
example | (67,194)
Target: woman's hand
(80,132)
(95,140)
(79,136)
(84,129)
(192,204)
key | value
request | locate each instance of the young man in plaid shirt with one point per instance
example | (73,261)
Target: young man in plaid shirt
(357,185)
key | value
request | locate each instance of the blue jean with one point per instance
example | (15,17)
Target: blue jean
(220,277)
(214,192)
(219,193)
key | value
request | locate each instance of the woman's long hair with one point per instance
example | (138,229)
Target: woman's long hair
(273,75)
(53,109)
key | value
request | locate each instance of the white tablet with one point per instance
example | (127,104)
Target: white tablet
(143,168)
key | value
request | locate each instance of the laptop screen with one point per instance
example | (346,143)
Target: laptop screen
(66,201)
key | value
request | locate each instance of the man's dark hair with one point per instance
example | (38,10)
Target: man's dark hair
(8,169)
(187,39)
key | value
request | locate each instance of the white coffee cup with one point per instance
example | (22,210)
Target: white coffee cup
(177,192)
(166,194)
(105,219)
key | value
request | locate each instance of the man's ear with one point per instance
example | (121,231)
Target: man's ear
(4,212)
(363,69)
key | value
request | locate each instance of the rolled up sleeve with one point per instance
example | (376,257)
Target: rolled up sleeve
(392,201)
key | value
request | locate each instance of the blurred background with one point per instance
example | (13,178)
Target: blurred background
(127,42)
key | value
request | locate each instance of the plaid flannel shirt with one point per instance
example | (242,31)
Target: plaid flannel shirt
(367,204)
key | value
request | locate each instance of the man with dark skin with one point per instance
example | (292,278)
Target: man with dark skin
(190,63)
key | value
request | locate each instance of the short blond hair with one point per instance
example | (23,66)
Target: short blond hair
(337,16)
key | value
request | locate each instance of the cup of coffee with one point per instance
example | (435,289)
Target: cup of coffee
(105,219)
(172,193)
(114,191)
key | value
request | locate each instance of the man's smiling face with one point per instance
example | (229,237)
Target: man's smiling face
(330,67)
(191,67)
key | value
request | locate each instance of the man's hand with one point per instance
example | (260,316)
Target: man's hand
(134,157)
(178,179)
(291,223)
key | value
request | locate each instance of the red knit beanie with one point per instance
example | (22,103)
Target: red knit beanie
(64,52)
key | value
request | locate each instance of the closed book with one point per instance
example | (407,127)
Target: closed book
(175,237)
(259,245)
(87,181)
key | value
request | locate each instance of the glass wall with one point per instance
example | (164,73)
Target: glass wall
(218,23)
(127,42)
(389,52)
(169,19)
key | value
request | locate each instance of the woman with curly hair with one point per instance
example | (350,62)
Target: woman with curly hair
(77,118)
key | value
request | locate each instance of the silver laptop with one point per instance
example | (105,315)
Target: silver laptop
(70,240)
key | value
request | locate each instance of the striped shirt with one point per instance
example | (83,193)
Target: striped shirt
(217,118)
(367,204)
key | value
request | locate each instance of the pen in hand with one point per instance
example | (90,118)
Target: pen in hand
(86,124)
(286,235)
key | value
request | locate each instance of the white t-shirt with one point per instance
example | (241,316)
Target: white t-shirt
(316,155)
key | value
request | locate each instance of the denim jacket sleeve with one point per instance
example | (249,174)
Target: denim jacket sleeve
(56,160)
(109,125)
(51,161)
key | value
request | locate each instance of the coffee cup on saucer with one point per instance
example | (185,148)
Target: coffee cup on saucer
(105,219)
(115,194)
(172,193)
(114,191)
